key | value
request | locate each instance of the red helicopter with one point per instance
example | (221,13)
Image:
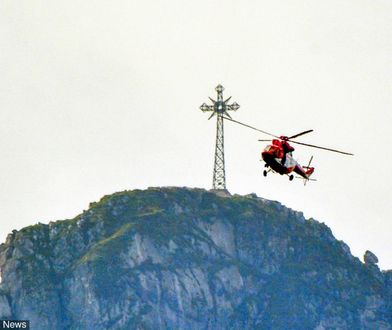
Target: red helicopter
(278,157)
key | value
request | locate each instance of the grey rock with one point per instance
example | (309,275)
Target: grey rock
(370,258)
(5,308)
(180,258)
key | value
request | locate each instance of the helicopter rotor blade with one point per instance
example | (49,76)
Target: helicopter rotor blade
(251,127)
(294,136)
(328,149)
(265,140)
(299,134)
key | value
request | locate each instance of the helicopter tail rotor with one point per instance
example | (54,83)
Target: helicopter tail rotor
(310,162)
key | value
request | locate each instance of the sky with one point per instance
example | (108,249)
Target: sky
(98,97)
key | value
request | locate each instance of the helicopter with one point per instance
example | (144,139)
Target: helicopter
(278,157)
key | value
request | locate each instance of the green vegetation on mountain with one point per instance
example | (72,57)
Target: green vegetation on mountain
(166,258)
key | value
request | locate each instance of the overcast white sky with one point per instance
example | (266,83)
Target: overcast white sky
(102,96)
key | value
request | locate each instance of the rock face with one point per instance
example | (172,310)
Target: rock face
(177,258)
(370,258)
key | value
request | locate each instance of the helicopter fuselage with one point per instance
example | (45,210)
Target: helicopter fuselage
(273,156)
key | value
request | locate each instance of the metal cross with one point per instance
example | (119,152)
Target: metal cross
(219,108)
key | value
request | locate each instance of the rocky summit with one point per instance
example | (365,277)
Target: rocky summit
(179,258)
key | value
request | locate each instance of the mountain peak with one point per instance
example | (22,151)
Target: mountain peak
(189,258)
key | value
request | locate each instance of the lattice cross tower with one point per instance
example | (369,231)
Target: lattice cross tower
(219,108)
